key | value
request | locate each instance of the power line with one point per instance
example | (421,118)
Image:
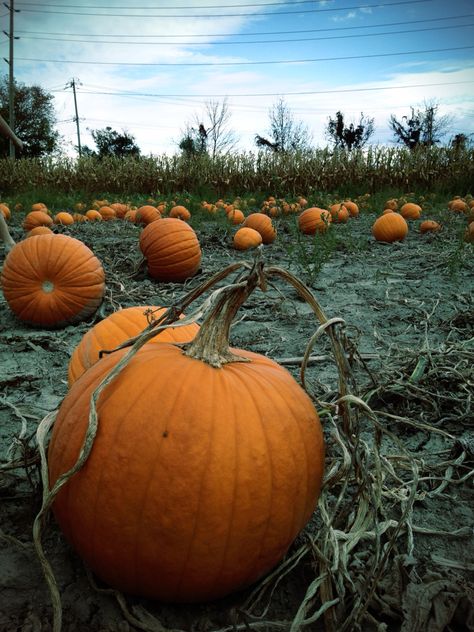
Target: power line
(299,31)
(277,94)
(226,15)
(210,6)
(245,63)
(279,41)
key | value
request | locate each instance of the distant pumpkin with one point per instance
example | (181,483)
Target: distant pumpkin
(93,215)
(351,207)
(107,213)
(410,210)
(180,212)
(429,226)
(64,218)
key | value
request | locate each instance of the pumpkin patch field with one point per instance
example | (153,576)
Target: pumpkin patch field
(251,412)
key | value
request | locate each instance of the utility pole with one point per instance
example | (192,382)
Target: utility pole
(72,84)
(11,79)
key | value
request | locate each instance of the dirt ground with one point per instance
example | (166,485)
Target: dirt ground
(400,303)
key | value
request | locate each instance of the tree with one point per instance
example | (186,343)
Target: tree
(352,136)
(35,119)
(194,141)
(460,141)
(422,128)
(286,134)
(220,138)
(111,143)
(210,132)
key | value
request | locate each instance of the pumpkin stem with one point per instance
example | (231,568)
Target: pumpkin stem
(211,343)
(5,234)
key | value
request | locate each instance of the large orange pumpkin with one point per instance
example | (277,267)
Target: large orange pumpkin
(200,476)
(52,280)
(171,248)
(314,220)
(390,227)
(263,224)
(115,329)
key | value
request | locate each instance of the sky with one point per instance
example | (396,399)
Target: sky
(149,67)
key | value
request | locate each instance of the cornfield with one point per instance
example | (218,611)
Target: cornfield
(434,168)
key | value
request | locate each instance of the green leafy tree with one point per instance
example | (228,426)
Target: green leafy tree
(35,119)
(286,134)
(423,127)
(349,136)
(109,142)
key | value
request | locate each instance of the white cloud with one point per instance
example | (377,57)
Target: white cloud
(156,121)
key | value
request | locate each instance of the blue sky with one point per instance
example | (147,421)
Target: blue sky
(149,67)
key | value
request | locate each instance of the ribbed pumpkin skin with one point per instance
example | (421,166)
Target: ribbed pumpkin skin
(390,227)
(246,238)
(314,220)
(37,218)
(263,224)
(115,329)
(52,280)
(171,249)
(199,478)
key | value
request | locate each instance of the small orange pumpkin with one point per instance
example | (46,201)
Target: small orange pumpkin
(37,218)
(171,248)
(117,328)
(120,209)
(458,205)
(64,218)
(314,220)
(409,210)
(351,207)
(429,226)
(107,213)
(180,212)
(236,217)
(390,227)
(246,238)
(263,224)
(391,204)
(339,213)
(93,215)
(39,230)
(147,214)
